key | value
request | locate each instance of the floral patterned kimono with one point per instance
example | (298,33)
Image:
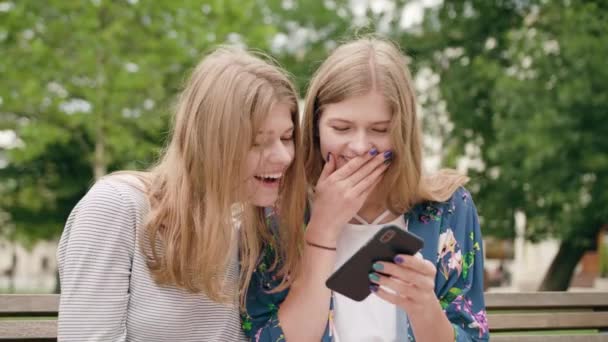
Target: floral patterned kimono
(452,240)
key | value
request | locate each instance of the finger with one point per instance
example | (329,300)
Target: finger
(366,170)
(355,164)
(385,270)
(392,283)
(367,185)
(328,168)
(369,190)
(416,263)
(393,298)
(387,296)
(410,297)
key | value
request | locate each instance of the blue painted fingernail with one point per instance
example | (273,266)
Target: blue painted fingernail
(328,156)
(388,154)
(388,161)
(378,267)
(373,288)
(399,259)
(373,277)
(373,151)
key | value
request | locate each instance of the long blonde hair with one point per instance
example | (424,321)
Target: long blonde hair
(357,68)
(194,187)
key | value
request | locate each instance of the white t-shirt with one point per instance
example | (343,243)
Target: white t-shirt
(372,319)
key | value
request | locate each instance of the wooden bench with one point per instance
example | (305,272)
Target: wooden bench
(537,316)
(28,317)
(526,317)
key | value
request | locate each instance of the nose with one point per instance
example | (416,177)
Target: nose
(278,153)
(360,143)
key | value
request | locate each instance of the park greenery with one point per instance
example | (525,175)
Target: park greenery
(518,87)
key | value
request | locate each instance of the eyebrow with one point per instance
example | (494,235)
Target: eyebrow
(272,131)
(336,120)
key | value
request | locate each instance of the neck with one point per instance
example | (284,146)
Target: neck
(373,207)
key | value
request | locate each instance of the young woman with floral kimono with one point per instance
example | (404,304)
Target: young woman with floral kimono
(363,159)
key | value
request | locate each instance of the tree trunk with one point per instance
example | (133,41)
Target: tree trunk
(562,267)
(57,283)
(12,287)
(570,252)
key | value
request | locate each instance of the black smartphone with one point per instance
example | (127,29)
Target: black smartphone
(351,279)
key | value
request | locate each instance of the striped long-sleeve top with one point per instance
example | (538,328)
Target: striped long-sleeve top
(107,291)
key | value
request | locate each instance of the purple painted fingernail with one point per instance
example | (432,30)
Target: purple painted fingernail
(399,259)
(373,151)
(328,156)
(373,288)
(388,154)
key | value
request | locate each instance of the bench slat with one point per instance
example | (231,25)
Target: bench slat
(552,338)
(548,321)
(546,300)
(41,329)
(47,304)
(29,305)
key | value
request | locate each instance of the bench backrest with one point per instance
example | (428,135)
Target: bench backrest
(580,316)
(37,317)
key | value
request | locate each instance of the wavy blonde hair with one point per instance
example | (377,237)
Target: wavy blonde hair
(357,68)
(194,187)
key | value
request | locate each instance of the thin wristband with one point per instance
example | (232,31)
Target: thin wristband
(320,246)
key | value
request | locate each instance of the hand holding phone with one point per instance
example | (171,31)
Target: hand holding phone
(351,279)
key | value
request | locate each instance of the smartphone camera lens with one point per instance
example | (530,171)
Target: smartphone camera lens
(386,237)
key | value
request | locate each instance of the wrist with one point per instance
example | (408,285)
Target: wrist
(431,323)
(324,247)
(322,234)
(320,238)
(429,312)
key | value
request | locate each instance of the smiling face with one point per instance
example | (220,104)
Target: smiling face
(270,156)
(365,66)
(354,126)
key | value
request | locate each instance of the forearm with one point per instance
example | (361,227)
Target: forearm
(309,298)
(432,325)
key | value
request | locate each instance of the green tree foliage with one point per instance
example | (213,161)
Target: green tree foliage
(526,83)
(87,87)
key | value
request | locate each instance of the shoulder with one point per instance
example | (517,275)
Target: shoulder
(110,203)
(107,216)
(461,202)
(457,206)
(460,199)
(114,193)
(461,208)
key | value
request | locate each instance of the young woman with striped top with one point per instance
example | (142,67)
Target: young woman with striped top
(164,255)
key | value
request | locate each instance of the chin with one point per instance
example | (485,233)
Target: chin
(266,201)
